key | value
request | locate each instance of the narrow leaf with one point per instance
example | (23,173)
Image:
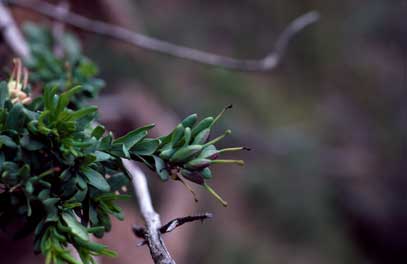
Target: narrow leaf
(96,179)
(133,137)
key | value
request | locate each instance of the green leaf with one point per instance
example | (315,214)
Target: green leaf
(146,147)
(16,118)
(65,97)
(90,245)
(80,195)
(68,258)
(24,171)
(3,93)
(96,179)
(106,142)
(93,215)
(133,137)
(31,144)
(43,195)
(98,132)
(81,183)
(117,181)
(36,34)
(161,169)
(2,158)
(96,229)
(88,159)
(72,47)
(120,150)
(102,156)
(87,68)
(86,111)
(75,227)
(49,94)
(51,209)
(7,141)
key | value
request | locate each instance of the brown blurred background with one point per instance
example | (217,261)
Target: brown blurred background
(325,182)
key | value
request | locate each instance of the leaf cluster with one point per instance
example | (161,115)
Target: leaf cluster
(69,70)
(53,165)
(188,152)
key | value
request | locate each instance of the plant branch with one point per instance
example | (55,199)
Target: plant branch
(268,63)
(171,225)
(158,250)
(12,34)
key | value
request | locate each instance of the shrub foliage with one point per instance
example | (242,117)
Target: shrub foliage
(60,171)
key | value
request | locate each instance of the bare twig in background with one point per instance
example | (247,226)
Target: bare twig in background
(123,13)
(58,29)
(12,34)
(171,225)
(268,63)
(155,242)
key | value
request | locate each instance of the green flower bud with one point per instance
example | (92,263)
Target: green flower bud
(202,136)
(187,136)
(190,120)
(198,164)
(185,153)
(206,173)
(203,124)
(167,154)
(177,134)
(161,169)
(193,176)
(209,152)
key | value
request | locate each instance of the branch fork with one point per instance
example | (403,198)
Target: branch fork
(141,232)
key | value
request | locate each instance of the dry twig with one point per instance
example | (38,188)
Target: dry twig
(158,250)
(58,29)
(170,226)
(12,34)
(268,63)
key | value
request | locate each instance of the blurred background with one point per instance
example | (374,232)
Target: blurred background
(325,181)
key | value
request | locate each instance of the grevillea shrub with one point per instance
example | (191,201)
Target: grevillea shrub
(60,170)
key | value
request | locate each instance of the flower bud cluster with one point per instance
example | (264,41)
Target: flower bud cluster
(188,152)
